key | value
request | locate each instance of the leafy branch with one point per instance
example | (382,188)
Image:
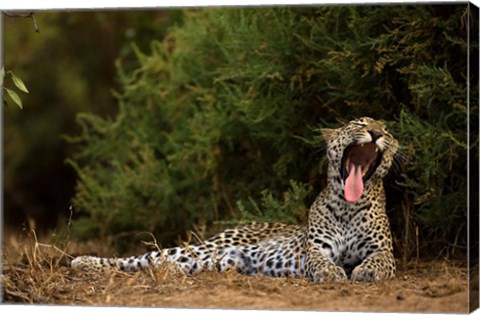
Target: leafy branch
(16,80)
(11,93)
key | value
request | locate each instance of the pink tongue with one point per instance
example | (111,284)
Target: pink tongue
(354,184)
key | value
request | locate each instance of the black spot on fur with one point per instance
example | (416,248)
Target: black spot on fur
(270,263)
(194,267)
(365,207)
(279,265)
(326,246)
(329,207)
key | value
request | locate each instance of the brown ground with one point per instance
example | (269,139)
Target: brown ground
(39,277)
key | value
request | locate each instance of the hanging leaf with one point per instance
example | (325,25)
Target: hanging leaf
(19,83)
(15,98)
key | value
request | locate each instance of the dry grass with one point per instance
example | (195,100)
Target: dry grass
(38,273)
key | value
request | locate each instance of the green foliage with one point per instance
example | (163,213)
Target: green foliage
(435,179)
(225,113)
(291,209)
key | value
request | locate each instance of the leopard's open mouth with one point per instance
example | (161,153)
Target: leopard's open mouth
(359,162)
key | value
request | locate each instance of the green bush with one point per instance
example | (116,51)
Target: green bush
(219,122)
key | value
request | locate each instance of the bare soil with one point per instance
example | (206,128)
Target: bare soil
(42,276)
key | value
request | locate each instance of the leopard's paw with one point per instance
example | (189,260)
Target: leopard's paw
(330,273)
(368,274)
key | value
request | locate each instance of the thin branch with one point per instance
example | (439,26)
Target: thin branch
(25,16)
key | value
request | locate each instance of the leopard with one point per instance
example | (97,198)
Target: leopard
(347,235)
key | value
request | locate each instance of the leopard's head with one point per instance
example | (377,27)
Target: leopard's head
(359,152)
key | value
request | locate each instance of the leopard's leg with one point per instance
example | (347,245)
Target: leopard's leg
(321,251)
(378,266)
(379,263)
(190,259)
(319,268)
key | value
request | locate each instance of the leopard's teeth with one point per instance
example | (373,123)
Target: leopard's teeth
(376,149)
(365,170)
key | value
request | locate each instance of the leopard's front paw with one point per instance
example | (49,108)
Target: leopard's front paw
(368,274)
(330,273)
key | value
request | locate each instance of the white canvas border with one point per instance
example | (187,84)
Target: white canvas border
(31,5)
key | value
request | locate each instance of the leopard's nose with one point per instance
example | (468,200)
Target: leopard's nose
(375,134)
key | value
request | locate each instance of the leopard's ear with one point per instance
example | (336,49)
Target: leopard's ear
(328,134)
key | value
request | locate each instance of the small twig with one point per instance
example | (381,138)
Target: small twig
(69,223)
(417,243)
(55,248)
(197,237)
(25,16)
(152,243)
(35,247)
(20,295)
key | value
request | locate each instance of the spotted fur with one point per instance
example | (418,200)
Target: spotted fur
(342,239)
